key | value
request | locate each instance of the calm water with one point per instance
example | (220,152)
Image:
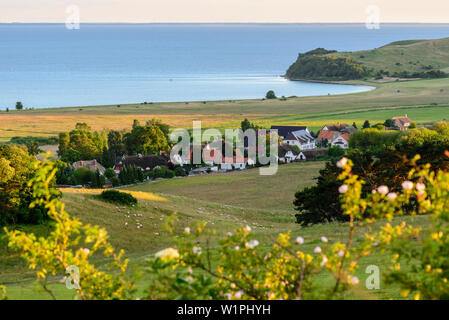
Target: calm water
(45,65)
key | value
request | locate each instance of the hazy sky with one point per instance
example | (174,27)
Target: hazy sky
(224,10)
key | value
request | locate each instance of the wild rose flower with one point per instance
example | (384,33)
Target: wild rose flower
(238,294)
(324,239)
(317,250)
(343,162)
(407,185)
(236,248)
(247,229)
(420,186)
(354,280)
(392,195)
(187,230)
(252,244)
(343,188)
(229,234)
(86,250)
(196,250)
(383,190)
(340,253)
(299,240)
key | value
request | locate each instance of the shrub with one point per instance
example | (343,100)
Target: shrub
(118,197)
(82,176)
(115,181)
(270,95)
(180,172)
(109,173)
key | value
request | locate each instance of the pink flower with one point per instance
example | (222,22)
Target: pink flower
(86,251)
(343,188)
(187,230)
(317,250)
(343,162)
(340,253)
(299,240)
(392,195)
(407,185)
(324,239)
(323,263)
(238,294)
(354,280)
(383,190)
(420,186)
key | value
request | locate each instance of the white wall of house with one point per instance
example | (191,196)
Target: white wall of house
(340,142)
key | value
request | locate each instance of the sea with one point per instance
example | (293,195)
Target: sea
(49,65)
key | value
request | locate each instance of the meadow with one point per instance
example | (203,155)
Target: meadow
(268,212)
(424,101)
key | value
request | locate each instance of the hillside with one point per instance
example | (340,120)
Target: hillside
(405,59)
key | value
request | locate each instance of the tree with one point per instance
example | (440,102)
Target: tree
(82,176)
(82,126)
(165,128)
(15,193)
(19,105)
(98,180)
(145,140)
(389,123)
(109,173)
(354,125)
(106,159)
(270,95)
(116,145)
(412,125)
(366,124)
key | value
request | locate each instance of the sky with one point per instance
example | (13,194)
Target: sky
(274,11)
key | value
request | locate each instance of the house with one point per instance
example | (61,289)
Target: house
(146,163)
(287,153)
(339,127)
(302,139)
(336,134)
(402,122)
(283,131)
(310,155)
(92,165)
(296,135)
(342,141)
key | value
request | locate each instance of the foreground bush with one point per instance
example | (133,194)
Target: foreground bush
(244,269)
(118,197)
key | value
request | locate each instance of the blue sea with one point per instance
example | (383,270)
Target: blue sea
(47,65)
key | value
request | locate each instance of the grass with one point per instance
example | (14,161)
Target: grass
(411,56)
(268,214)
(426,100)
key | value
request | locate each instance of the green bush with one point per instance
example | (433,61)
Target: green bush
(109,173)
(115,181)
(270,95)
(118,197)
(180,172)
(82,176)
(162,172)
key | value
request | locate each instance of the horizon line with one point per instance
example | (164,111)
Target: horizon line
(218,22)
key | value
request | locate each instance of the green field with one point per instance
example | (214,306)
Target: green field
(411,55)
(423,100)
(214,198)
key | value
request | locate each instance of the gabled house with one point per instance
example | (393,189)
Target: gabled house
(342,141)
(310,155)
(339,127)
(402,122)
(92,165)
(283,131)
(296,135)
(287,153)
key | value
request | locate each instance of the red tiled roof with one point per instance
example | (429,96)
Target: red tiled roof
(326,134)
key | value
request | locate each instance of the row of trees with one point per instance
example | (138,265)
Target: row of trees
(108,146)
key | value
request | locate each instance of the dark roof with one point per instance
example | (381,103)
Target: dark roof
(144,162)
(283,131)
(312,154)
(284,148)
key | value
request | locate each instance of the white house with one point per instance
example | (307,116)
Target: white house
(286,153)
(302,139)
(341,141)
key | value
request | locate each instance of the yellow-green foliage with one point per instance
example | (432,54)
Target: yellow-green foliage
(70,244)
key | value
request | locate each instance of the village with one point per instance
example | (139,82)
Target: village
(296,143)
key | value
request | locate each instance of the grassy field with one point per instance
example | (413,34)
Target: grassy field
(266,210)
(411,56)
(423,100)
